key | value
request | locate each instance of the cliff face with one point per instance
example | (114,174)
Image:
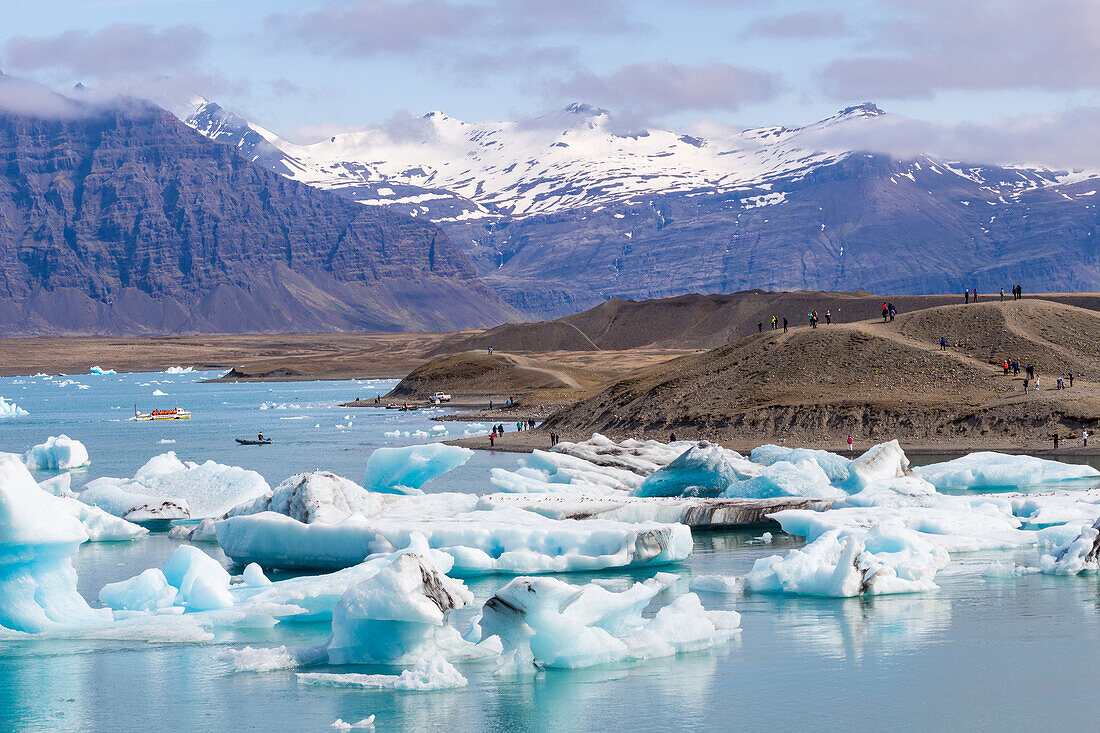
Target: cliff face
(124,220)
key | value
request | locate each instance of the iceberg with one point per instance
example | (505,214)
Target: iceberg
(834,466)
(989,470)
(546,622)
(704,469)
(148,591)
(179,370)
(397,614)
(1079,555)
(159,393)
(101,371)
(641,457)
(59,453)
(505,540)
(10,409)
(202,583)
(782,478)
(405,470)
(37,538)
(884,559)
(99,525)
(168,488)
(882,462)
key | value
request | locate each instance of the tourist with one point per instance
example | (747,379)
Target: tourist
(672,436)
(775,323)
(975,292)
(1061,383)
(490,404)
(1002,295)
(943,343)
(1036,382)
(966,296)
(892,310)
(1055,440)
(1071,379)
(885,312)
(760,327)
(784,325)
(1025,386)
(850,443)
(828,317)
(1085,438)
(1004,366)
(492,438)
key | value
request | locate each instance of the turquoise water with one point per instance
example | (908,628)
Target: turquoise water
(1019,653)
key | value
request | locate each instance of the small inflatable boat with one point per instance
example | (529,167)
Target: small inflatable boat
(254,441)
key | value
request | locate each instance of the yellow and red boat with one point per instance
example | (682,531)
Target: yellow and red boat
(174,414)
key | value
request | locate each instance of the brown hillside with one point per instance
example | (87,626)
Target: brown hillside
(867,379)
(475,373)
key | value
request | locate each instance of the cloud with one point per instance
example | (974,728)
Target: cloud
(659,88)
(925,46)
(492,34)
(1067,140)
(116,49)
(803,24)
(22,97)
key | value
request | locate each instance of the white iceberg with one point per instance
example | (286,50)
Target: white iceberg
(148,591)
(405,470)
(545,622)
(100,370)
(168,488)
(396,615)
(10,409)
(510,541)
(59,453)
(37,538)
(805,479)
(883,559)
(641,457)
(882,462)
(179,370)
(202,583)
(159,393)
(834,466)
(988,470)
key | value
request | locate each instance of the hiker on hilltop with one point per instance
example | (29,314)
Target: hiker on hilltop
(784,325)
(885,312)
(775,323)
(828,317)
(1002,295)
(966,296)
(975,291)
(1056,440)
(943,343)
(893,311)
(1025,385)
(760,327)
(1071,379)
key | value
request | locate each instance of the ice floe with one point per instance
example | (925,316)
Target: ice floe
(168,488)
(101,371)
(37,538)
(405,470)
(10,409)
(59,453)
(988,470)
(179,370)
(546,622)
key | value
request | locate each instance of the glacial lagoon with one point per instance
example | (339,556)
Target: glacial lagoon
(978,652)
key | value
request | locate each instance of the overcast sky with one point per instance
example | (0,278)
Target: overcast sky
(306,67)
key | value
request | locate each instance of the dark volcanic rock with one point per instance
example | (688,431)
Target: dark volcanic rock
(122,220)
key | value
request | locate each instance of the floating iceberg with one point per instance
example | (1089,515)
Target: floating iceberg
(179,370)
(148,591)
(396,615)
(882,462)
(641,457)
(988,470)
(883,559)
(834,466)
(10,409)
(545,622)
(58,453)
(37,538)
(806,479)
(202,583)
(405,470)
(510,541)
(159,393)
(1080,555)
(704,469)
(100,370)
(168,488)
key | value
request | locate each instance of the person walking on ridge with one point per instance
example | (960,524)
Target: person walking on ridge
(1002,295)
(966,296)
(943,343)
(1085,438)
(784,325)
(828,317)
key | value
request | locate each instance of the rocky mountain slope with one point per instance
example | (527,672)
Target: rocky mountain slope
(564,211)
(122,220)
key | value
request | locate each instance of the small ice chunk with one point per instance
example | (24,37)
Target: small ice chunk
(364,724)
(179,370)
(100,370)
(254,576)
(159,393)
(721,584)
(250,659)
(58,453)
(10,409)
(202,582)
(435,673)
(148,591)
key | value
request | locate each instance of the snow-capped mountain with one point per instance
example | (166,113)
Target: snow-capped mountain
(564,210)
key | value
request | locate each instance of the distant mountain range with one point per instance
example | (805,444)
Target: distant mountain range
(122,220)
(561,212)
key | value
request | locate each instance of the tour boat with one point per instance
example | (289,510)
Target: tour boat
(174,414)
